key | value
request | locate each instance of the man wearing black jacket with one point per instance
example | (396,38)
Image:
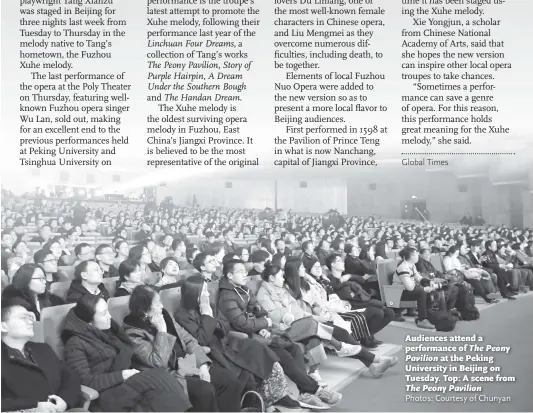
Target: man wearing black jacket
(33,377)
(490,261)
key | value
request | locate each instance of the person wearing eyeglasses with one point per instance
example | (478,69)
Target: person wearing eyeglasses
(49,263)
(105,257)
(83,252)
(88,280)
(28,289)
(206,265)
(33,377)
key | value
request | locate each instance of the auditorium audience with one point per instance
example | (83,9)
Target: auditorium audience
(88,277)
(98,350)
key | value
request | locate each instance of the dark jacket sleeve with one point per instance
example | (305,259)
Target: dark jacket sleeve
(76,358)
(70,388)
(201,328)
(238,318)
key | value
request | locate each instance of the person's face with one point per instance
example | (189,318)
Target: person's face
(211,239)
(86,253)
(283,261)
(277,279)
(168,240)
(53,224)
(55,249)
(281,246)
(78,230)
(172,268)
(37,283)
(310,247)
(415,256)
(245,255)
(7,240)
(102,317)
(182,248)
(93,274)
(146,257)
(316,270)
(355,251)
(107,256)
(210,264)
(426,255)
(50,263)
(411,243)
(338,264)
(325,245)
(19,323)
(124,249)
(238,275)
(230,236)
(463,250)
(203,293)
(135,276)
(494,246)
(46,232)
(438,243)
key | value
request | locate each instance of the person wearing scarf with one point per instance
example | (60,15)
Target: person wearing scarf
(130,277)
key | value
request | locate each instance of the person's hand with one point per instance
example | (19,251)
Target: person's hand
(264,333)
(206,349)
(204,373)
(269,321)
(345,277)
(288,318)
(428,289)
(126,374)
(61,405)
(327,316)
(205,306)
(347,306)
(159,323)
(366,276)
(46,407)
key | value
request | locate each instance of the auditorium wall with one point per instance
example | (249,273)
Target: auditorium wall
(319,196)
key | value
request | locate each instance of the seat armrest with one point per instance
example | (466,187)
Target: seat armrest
(88,396)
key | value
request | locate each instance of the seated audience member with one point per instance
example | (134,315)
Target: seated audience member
(244,255)
(338,246)
(253,363)
(279,260)
(308,253)
(88,277)
(130,276)
(217,251)
(170,273)
(166,243)
(100,353)
(48,261)
(259,259)
(28,289)
(377,315)
(319,286)
(105,257)
(438,246)
(140,255)
(322,251)
(229,244)
(157,253)
(20,256)
(33,377)
(179,249)
(58,247)
(488,284)
(206,265)
(210,239)
(280,248)
(525,275)
(45,234)
(407,275)
(504,276)
(191,253)
(361,265)
(153,332)
(312,302)
(83,252)
(122,249)
(244,313)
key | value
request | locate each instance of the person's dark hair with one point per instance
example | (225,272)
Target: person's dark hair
(199,261)
(305,245)
(51,242)
(276,259)
(7,306)
(292,277)
(363,255)
(81,267)
(209,234)
(79,247)
(259,256)
(215,248)
(336,244)
(85,308)
(125,268)
(16,244)
(40,256)
(423,250)
(100,248)
(406,253)
(119,243)
(176,242)
(229,266)
(330,258)
(190,292)
(191,248)
(22,279)
(229,256)
(452,250)
(488,243)
(165,261)
(141,300)
(270,269)
(136,253)
(227,231)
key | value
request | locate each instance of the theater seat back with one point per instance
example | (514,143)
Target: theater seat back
(52,319)
(436,260)
(68,270)
(213,287)
(171,299)
(254,285)
(60,289)
(119,308)
(111,285)
(385,270)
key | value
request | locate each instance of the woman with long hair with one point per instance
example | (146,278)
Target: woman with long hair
(140,255)
(158,341)
(251,362)
(130,276)
(28,289)
(122,249)
(98,350)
